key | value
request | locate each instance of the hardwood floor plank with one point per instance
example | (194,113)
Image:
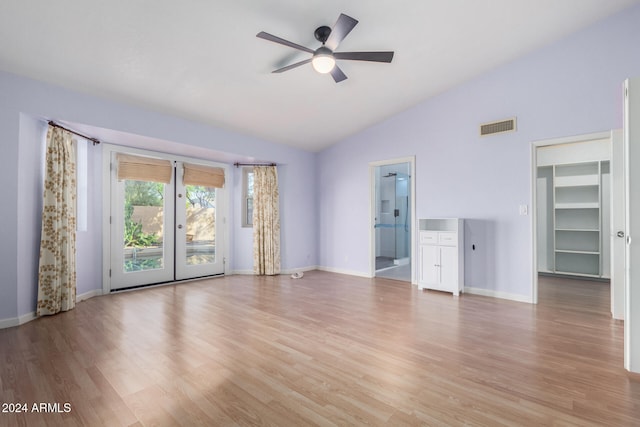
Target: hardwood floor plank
(328,350)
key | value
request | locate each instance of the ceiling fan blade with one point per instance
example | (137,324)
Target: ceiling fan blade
(365,56)
(337,74)
(342,27)
(289,67)
(275,39)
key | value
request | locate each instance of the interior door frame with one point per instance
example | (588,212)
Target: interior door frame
(631,95)
(534,194)
(412,212)
(107,154)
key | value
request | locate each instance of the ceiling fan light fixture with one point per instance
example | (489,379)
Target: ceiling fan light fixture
(323,60)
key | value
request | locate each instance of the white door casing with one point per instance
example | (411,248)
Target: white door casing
(618,214)
(113,227)
(632,220)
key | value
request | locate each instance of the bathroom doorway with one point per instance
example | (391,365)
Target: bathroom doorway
(392,219)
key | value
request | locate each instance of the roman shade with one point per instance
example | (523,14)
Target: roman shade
(206,176)
(140,168)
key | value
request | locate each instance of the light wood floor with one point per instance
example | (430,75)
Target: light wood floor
(326,349)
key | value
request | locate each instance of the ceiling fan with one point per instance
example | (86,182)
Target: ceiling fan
(324,58)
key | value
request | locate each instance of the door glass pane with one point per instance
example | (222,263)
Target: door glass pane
(201,225)
(143,225)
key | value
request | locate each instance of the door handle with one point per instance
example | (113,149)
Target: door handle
(620,234)
(180,226)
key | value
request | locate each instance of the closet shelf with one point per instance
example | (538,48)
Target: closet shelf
(577,181)
(577,217)
(569,251)
(583,205)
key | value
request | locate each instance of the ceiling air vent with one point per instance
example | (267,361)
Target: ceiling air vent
(508,125)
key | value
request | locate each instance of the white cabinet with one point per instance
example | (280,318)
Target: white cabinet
(441,262)
(578,219)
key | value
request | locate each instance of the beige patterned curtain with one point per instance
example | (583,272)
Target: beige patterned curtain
(266,221)
(57,274)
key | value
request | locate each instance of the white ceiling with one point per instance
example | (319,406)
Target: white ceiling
(200,59)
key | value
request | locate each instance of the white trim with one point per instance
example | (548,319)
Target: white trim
(85,296)
(8,323)
(372,209)
(571,139)
(285,271)
(17,321)
(107,150)
(533,226)
(294,270)
(243,272)
(346,272)
(498,294)
(25,318)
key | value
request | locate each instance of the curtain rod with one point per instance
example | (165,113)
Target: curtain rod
(254,164)
(54,124)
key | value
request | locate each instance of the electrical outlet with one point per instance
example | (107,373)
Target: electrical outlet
(524,210)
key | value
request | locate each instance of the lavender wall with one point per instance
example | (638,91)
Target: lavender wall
(19,140)
(569,88)
(9,125)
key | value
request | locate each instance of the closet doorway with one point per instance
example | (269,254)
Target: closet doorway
(574,215)
(167,219)
(392,217)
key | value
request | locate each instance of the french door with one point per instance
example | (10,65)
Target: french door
(164,228)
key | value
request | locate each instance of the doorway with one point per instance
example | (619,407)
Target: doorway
(166,219)
(574,212)
(392,217)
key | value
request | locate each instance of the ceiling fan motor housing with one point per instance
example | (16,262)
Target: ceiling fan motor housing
(322,33)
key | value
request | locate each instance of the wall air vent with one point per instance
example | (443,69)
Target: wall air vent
(508,125)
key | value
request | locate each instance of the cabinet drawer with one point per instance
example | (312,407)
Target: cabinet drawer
(449,239)
(428,237)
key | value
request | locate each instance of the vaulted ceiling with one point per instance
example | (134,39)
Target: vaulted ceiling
(201,60)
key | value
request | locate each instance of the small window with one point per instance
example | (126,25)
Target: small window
(247,197)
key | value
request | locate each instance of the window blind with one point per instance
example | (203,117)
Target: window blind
(140,168)
(206,176)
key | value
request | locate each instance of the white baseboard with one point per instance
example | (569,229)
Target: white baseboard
(286,271)
(17,321)
(87,295)
(21,320)
(498,294)
(310,268)
(303,269)
(347,272)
